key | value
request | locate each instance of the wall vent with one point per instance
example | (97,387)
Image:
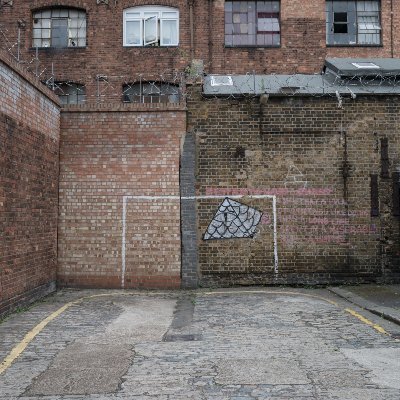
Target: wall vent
(6,3)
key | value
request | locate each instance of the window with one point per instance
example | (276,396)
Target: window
(151,92)
(252,23)
(59,28)
(151,26)
(353,22)
(69,92)
(219,80)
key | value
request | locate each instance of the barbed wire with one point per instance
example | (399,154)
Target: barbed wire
(171,85)
(13,48)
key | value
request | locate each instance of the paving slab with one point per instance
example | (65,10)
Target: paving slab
(264,343)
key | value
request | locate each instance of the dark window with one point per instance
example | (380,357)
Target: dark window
(151,92)
(69,92)
(252,23)
(353,22)
(59,28)
(340,22)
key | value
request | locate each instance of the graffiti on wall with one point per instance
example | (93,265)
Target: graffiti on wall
(312,215)
(295,178)
(233,220)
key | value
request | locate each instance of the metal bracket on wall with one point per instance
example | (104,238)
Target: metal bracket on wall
(6,3)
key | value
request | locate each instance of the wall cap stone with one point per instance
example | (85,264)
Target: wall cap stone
(124,107)
(6,59)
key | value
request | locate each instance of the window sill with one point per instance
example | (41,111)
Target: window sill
(59,48)
(252,47)
(151,47)
(354,45)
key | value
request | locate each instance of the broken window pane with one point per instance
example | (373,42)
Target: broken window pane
(353,22)
(340,22)
(252,23)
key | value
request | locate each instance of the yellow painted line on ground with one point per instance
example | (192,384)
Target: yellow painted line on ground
(350,311)
(21,346)
(366,321)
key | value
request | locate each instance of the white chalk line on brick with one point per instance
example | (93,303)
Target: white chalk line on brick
(126,198)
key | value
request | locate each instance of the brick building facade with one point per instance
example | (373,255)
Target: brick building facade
(29,150)
(148,164)
(203,36)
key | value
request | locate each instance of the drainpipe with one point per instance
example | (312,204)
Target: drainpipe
(391,28)
(191,4)
(210,39)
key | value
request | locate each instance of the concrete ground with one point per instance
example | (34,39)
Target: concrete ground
(259,343)
(382,300)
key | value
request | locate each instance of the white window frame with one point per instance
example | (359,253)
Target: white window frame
(144,13)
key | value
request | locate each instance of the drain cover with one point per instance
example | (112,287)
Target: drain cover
(181,337)
(395,335)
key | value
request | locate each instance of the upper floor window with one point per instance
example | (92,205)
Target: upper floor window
(68,92)
(252,23)
(151,92)
(353,22)
(59,27)
(151,26)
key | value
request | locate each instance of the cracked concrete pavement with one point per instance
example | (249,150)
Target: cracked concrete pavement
(261,343)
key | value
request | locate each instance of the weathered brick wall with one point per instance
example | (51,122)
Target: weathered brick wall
(109,236)
(316,161)
(29,140)
(303,43)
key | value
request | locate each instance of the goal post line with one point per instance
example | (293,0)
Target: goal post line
(126,198)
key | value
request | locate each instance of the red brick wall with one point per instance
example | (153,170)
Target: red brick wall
(29,139)
(303,43)
(109,156)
